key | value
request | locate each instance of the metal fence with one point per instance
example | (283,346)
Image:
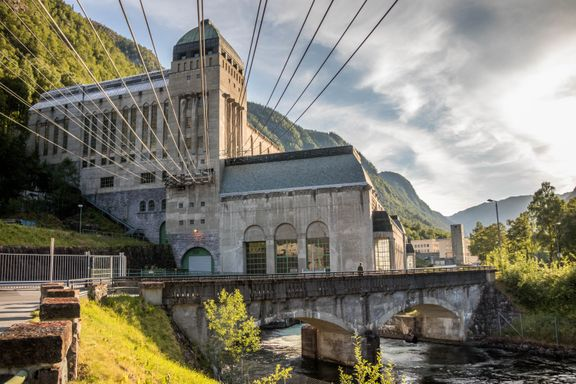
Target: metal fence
(537,327)
(17,269)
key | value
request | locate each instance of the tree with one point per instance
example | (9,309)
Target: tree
(484,240)
(546,209)
(233,335)
(366,372)
(520,236)
(567,230)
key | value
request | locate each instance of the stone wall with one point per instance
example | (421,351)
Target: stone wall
(493,304)
(47,351)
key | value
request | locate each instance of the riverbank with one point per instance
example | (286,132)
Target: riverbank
(531,347)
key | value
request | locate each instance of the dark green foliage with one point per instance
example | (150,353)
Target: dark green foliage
(546,209)
(396,193)
(484,240)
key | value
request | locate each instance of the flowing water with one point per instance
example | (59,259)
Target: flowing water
(426,363)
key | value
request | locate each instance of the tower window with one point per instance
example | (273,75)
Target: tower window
(107,182)
(147,178)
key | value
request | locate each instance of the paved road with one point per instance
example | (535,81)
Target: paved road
(16,306)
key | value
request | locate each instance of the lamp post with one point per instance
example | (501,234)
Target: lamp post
(498,224)
(80,223)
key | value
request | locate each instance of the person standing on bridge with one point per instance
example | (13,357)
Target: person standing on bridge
(360,269)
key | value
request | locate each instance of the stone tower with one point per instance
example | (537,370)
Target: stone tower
(458,246)
(192,205)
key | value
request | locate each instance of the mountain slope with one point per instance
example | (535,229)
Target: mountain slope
(34,53)
(396,193)
(508,209)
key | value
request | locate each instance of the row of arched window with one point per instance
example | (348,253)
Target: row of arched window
(150,206)
(286,249)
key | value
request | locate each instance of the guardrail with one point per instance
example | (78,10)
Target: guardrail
(32,270)
(185,275)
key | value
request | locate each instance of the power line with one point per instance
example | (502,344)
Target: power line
(52,55)
(57,145)
(176,118)
(342,67)
(81,61)
(203,85)
(19,98)
(290,53)
(144,118)
(327,57)
(299,62)
(243,95)
(152,84)
(82,125)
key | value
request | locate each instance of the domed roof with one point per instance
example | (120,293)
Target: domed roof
(210,32)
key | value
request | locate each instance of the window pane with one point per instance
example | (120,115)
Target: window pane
(256,257)
(286,256)
(382,254)
(318,254)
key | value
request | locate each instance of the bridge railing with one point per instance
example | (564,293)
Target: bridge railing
(282,287)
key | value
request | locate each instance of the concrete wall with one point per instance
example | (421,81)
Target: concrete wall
(345,211)
(126,206)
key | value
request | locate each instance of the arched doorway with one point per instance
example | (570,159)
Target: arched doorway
(163,239)
(198,260)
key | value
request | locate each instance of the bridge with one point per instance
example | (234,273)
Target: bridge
(336,305)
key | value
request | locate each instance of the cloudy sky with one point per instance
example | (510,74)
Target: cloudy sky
(468,99)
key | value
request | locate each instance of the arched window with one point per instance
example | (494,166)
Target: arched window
(286,245)
(255,246)
(142,206)
(151,205)
(317,247)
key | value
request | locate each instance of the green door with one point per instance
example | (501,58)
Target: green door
(198,260)
(163,237)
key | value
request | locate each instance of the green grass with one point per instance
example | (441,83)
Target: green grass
(124,340)
(18,235)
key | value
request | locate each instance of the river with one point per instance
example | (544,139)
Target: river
(427,363)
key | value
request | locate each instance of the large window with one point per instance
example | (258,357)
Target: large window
(382,254)
(286,245)
(317,247)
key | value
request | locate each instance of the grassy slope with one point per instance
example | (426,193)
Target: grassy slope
(127,341)
(17,235)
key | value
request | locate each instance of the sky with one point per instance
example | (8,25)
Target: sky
(467,99)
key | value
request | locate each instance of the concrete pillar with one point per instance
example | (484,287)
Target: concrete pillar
(151,292)
(301,252)
(309,338)
(270,256)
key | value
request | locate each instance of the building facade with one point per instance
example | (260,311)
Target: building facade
(176,160)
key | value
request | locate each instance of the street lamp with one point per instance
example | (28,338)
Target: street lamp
(498,224)
(80,223)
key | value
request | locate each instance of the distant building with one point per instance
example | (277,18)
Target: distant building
(452,251)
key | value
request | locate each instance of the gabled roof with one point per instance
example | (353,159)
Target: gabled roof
(291,171)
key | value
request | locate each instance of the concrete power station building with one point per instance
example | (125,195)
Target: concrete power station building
(206,182)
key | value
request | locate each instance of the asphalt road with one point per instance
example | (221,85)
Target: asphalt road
(16,306)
